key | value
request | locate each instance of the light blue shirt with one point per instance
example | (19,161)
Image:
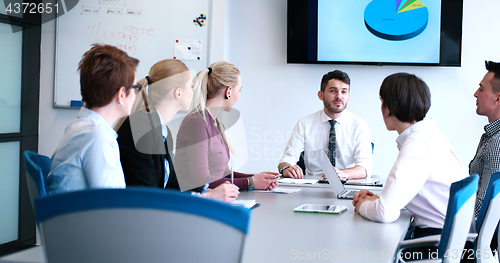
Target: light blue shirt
(87,156)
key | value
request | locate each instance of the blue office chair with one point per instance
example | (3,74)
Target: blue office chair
(456,224)
(37,169)
(487,220)
(140,224)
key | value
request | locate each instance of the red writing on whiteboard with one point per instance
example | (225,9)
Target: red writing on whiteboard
(127,48)
(125,39)
(118,36)
(93,30)
(139,31)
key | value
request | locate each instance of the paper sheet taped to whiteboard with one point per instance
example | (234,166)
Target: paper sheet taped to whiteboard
(188,49)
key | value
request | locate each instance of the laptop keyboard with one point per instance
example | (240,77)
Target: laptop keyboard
(349,193)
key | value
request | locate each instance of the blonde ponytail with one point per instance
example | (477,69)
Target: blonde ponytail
(208,83)
(200,93)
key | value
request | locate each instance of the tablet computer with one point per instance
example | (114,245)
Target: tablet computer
(327,209)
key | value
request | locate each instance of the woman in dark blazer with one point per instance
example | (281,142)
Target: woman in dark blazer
(144,139)
(144,160)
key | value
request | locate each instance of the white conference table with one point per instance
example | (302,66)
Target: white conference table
(278,234)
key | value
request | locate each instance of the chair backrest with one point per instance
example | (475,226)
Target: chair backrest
(458,217)
(487,219)
(140,225)
(301,163)
(37,168)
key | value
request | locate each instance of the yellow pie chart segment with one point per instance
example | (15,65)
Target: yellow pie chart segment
(415,5)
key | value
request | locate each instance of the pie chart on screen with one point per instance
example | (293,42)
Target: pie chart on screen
(396,19)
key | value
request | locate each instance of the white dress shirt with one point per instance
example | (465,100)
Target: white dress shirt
(312,133)
(87,156)
(420,178)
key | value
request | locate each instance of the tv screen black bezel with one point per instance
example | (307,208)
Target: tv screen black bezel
(302,28)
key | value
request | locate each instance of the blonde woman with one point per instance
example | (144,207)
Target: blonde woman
(202,151)
(144,138)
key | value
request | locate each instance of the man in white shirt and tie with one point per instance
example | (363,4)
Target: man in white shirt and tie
(344,136)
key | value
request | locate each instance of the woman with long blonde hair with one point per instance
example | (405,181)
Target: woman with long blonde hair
(202,150)
(144,138)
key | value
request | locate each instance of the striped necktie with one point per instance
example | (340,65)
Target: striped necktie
(332,142)
(167,169)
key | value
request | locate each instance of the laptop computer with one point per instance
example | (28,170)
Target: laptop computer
(332,176)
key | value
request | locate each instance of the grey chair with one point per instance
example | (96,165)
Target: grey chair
(140,224)
(487,221)
(456,227)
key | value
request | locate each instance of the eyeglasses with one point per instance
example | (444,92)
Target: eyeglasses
(137,88)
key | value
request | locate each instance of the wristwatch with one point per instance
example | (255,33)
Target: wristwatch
(282,169)
(250,184)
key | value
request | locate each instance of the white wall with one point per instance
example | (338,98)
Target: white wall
(53,121)
(275,95)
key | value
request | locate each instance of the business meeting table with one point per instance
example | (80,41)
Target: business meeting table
(278,234)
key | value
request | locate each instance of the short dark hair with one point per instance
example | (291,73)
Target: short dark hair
(495,68)
(406,96)
(336,74)
(104,69)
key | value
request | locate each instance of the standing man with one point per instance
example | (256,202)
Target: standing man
(344,136)
(487,159)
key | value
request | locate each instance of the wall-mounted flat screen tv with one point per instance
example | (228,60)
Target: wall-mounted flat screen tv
(375,32)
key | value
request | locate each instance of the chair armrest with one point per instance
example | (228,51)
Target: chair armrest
(420,242)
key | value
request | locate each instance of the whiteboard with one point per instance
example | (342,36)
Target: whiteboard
(145,29)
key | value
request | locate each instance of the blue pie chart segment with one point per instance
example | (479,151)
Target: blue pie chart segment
(384,20)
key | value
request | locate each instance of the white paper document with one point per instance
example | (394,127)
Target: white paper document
(279,190)
(188,49)
(297,181)
(364,182)
(246,203)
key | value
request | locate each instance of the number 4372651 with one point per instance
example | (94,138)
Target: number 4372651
(32,8)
